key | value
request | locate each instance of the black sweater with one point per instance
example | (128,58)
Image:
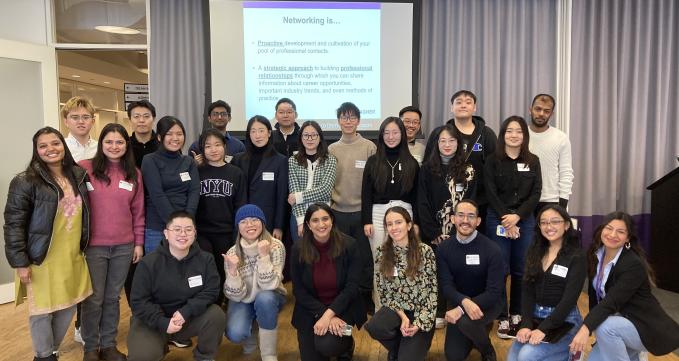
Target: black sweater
(222,191)
(161,286)
(552,290)
(510,190)
(458,280)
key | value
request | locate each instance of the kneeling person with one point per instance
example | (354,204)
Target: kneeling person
(471,275)
(173,292)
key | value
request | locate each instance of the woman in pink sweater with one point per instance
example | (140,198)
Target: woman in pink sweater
(116,196)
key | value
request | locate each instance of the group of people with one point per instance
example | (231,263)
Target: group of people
(417,235)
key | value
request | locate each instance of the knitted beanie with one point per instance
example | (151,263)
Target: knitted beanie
(250,211)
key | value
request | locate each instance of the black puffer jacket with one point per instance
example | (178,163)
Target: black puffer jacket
(29,215)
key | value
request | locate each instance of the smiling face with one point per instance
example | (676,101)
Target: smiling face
(320,225)
(50,149)
(259,134)
(392,135)
(250,229)
(348,123)
(180,234)
(214,149)
(447,144)
(466,219)
(513,135)
(174,139)
(552,226)
(114,146)
(411,121)
(463,107)
(310,139)
(614,235)
(397,227)
(79,122)
(219,118)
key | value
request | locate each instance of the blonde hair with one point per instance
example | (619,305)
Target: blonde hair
(75,103)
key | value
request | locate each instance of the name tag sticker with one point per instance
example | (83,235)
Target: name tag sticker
(522,167)
(459,188)
(360,164)
(195,281)
(560,271)
(185,176)
(89,186)
(473,259)
(267,176)
(125,185)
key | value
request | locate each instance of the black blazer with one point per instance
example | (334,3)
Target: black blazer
(348,305)
(628,292)
(269,195)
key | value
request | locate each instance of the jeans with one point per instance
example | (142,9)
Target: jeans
(101,311)
(557,351)
(265,310)
(152,239)
(616,339)
(514,255)
(48,330)
(293,229)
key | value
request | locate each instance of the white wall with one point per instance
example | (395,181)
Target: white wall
(24,21)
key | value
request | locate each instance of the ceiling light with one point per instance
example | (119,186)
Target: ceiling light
(107,82)
(117,29)
(75,76)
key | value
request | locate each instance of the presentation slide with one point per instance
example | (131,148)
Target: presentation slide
(319,54)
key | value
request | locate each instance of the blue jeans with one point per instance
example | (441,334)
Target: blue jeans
(293,228)
(108,267)
(616,339)
(557,351)
(152,239)
(240,315)
(514,255)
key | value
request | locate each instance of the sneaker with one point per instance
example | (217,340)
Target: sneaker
(514,325)
(440,323)
(250,343)
(181,343)
(503,329)
(77,337)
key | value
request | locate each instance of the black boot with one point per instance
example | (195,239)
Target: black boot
(51,357)
(349,354)
(489,356)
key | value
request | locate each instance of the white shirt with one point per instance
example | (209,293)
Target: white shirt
(417,151)
(554,150)
(600,284)
(81,151)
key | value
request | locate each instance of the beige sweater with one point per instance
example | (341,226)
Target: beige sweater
(256,273)
(351,158)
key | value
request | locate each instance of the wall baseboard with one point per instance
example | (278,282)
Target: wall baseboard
(7,293)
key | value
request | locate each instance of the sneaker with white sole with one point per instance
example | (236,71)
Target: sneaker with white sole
(503,329)
(181,343)
(77,337)
(514,324)
(440,323)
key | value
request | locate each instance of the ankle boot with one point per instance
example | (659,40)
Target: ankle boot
(268,340)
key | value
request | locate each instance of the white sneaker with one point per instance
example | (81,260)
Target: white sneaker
(503,329)
(440,323)
(77,337)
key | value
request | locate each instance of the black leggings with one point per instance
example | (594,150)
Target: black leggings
(385,327)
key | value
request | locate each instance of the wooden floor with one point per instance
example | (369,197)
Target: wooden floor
(15,342)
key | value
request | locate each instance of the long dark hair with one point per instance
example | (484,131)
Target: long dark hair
(100,163)
(632,239)
(414,254)
(307,251)
(457,165)
(321,151)
(268,148)
(164,125)
(37,165)
(524,154)
(540,245)
(382,172)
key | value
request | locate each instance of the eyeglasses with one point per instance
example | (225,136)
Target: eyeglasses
(307,136)
(219,114)
(140,116)
(249,221)
(178,230)
(345,118)
(470,216)
(553,222)
(285,112)
(77,118)
(407,121)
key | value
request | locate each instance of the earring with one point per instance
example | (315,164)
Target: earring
(628,245)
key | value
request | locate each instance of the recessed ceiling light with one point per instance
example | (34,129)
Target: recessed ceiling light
(107,82)
(117,29)
(75,76)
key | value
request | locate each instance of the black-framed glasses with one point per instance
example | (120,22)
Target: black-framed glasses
(309,136)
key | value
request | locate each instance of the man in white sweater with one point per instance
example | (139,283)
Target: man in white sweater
(553,148)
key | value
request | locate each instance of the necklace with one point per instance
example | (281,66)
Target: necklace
(392,169)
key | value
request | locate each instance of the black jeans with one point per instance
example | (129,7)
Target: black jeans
(350,223)
(468,333)
(385,327)
(321,348)
(217,244)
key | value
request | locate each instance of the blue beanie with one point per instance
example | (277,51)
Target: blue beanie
(250,211)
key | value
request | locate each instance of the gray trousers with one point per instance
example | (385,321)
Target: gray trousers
(148,344)
(108,267)
(48,330)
